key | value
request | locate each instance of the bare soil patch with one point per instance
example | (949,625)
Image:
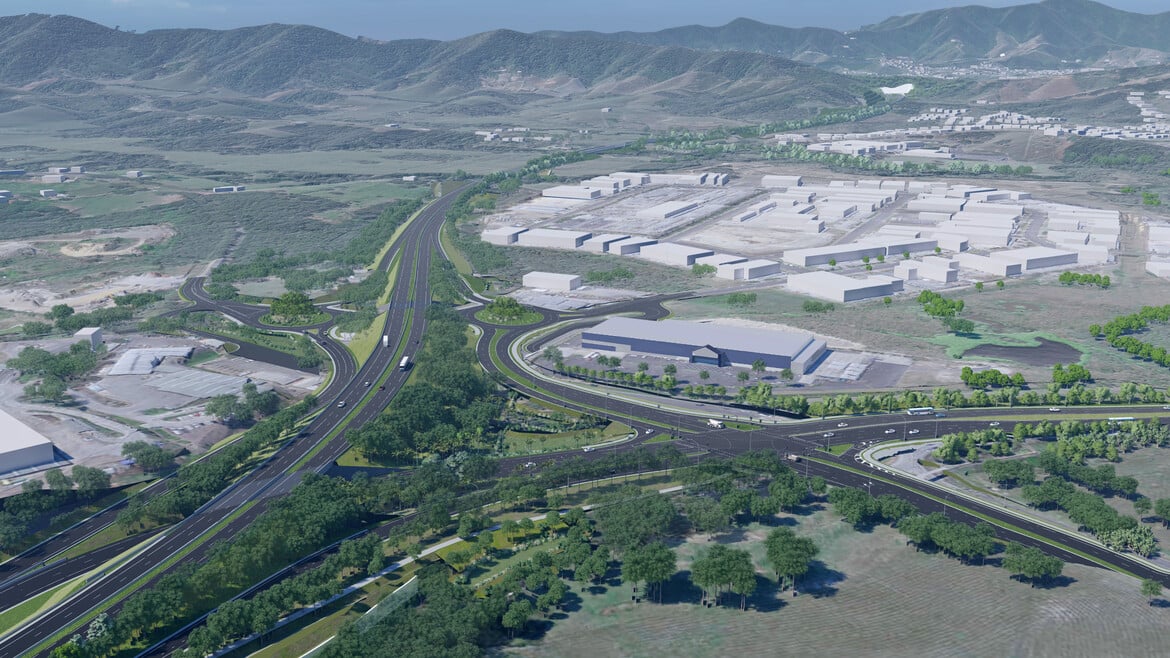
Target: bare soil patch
(1047,353)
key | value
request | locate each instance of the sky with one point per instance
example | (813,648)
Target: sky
(451,19)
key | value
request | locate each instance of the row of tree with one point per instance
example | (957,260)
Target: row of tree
(1093,514)
(1119,331)
(990,378)
(20,512)
(1084,279)
(962,446)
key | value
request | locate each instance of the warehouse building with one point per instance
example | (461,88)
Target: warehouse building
(551,238)
(630,245)
(572,192)
(552,281)
(852,251)
(711,344)
(673,254)
(992,266)
(599,244)
(1035,258)
(667,210)
(747,270)
(21,446)
(715,260)
(503,235)
(776,180)
(91,335)
(134,173)
(838,288)
(54,178)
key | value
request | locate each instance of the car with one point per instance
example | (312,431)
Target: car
(648,431)
(995,423)
(1166,407)
(842,424)
(382,388)
(367,384)
(530,465)
(588,448)
(939,414)
(341,404)
(891,431)
(1054,409)
(827,434)
(914,431)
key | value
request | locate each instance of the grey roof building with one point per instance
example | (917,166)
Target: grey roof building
(698,342)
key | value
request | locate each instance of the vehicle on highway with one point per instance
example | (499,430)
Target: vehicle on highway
(919,411)
(385,340)
(793,457)
(842,424)
(891,431)
(529,464)
(995,423)
(367,384)
(914,431)
(715,423)
(341,404)
(827,434)
(382,388)
(404,364)
(1054,409)
(588,448)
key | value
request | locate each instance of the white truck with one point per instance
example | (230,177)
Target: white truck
(404,364)
(717,424)
(385,340)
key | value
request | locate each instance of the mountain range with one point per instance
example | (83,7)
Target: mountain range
(1049,34)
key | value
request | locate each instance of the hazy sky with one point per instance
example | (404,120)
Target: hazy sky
(448,19)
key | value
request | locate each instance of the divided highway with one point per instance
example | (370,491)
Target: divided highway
(283,471)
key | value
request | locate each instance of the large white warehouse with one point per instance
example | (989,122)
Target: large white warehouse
(21,446)
(552,281)
(838,288)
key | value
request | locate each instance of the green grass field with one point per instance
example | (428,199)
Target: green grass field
(871,596)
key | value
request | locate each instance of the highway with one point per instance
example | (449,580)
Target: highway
(277,476)
(405,324)
(802,438)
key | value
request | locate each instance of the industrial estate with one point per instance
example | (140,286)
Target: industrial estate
(683,342)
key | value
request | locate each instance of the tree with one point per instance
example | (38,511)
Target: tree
(704,375)
(1031,564)
(652,564)
(517,616)
(90,480)
(832,262)
(150,457)
(34,328)
(706,515)
(758,367)
(292,305)
(979,286)
(59,312)
(742,376)
(643,366)
(1142,506)
(670,369)
(1151,589)
(57,480)
(789,554)
(999,284)
(787,374)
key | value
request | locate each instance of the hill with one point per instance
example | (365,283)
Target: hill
(270,59)
(1051,33)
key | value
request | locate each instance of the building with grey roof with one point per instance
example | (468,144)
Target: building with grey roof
(711,344)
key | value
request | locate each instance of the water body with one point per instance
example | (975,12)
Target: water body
(1047,353)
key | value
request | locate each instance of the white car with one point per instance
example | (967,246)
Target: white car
(341,404)
(914,431)
(827,434)
(891,431)
(995,423)
(842,424)
(1054,409)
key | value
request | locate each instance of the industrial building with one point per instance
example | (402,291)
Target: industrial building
(599,244)
(673,254)
(1035,258)
(552,281)
(224,189)
(49,194)
(630,245)
(776,180)
(716,345)
(715,260)
(551,238)
(993,266)
(134,173)
(747,270)
(838,288)
(54,178)
(667,210)
(851,251)
(572,192)
(91,335)
(503,235)
(21,446)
